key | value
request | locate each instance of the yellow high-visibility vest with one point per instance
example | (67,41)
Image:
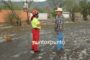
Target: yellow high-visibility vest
(35,22)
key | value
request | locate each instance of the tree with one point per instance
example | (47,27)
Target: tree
(89,7)
(12,19)
(26,7)
(71,6)
(84,9)
(54,4)
(12,16)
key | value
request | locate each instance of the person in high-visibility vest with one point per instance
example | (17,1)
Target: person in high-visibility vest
(36,26)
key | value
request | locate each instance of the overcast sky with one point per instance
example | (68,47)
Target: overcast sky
(29,0)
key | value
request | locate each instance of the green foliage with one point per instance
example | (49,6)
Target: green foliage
(84,9)
(71,5)
(10,5)
(41,10)
(14,7)
(53,13)
(88,8)
(82,6)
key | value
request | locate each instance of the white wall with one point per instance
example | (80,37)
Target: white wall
(43,16)
(66,15)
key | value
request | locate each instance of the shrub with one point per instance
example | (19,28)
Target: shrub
(13,19)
